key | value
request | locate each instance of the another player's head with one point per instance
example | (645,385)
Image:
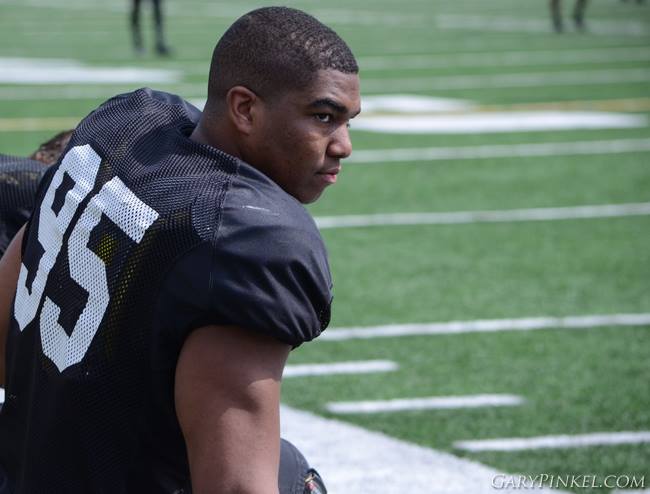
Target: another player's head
(282,89)
(49,152)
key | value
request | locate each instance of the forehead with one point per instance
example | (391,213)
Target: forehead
(331,85)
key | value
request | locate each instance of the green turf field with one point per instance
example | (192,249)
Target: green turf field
(502,57)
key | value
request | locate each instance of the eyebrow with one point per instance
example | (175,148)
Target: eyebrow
(337,107)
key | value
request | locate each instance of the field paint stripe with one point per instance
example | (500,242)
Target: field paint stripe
(555,442)
(355,367)
(485,326)
(491,122)
(32,124)
(518,24)
(470,217)
(431,403)
(348,457)
(508,58)
(375,156)
(504,81)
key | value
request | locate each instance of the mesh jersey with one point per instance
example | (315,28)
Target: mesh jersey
(139,236)
(19,179)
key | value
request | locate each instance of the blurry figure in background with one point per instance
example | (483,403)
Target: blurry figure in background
(161,47)
(19,179)
(578,15)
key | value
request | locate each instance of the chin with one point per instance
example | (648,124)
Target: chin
(310,198)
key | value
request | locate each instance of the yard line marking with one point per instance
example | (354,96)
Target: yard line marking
(507,58)
(33,124)
(63,71)
(617,104)
(506,81)
(470,217)
(406,155)
(555,442)
(492,122)
(355,367)
(514,24)
(485,326)
(347,456)
(430,403)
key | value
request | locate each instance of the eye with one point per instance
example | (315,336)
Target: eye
(323,117)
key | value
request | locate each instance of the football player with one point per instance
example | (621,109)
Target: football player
(167,270)
(19,179)
(578,15)
(136,31)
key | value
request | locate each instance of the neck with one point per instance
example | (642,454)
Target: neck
(216,135)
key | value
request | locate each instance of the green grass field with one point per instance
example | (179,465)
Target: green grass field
(573,382)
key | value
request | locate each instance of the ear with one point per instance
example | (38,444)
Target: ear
(242,105)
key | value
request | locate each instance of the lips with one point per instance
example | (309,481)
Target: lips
(330,174)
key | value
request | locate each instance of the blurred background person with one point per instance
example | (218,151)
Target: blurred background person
(19,179)
(136,28)
(578,15)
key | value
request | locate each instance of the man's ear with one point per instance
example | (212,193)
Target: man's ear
(242,106)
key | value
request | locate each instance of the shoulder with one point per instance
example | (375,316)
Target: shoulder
(269,268)
(256,205)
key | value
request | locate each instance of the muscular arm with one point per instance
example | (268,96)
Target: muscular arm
(227,394)
(9,269)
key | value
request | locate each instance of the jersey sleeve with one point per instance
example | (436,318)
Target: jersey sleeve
(261,271)
(271,276)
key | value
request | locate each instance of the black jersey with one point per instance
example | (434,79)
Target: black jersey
(140,235)
(19,179)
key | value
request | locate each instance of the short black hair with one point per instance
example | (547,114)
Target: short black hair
(275,49)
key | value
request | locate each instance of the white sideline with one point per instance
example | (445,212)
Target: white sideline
(353,460)
(405,155)
(430,403)
(561,441)
(498,121)
(467,217)
(66,71)
(506,58)
(358,367)
(485,326)
(518,24)
(504,81)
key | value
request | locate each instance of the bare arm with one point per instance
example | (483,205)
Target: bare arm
(227,394)
(9,269)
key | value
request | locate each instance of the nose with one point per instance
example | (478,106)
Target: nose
(341,145)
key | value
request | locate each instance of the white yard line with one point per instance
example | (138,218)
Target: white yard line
(467,217)
(430,403)
(506,81)
(358,367)
(525,25)
(64,71)
(549,442)
(489,151)
(351,459)
(485,326)
(497,121)
(506,58)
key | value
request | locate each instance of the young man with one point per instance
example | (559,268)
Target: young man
(169,268)
(19,179)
